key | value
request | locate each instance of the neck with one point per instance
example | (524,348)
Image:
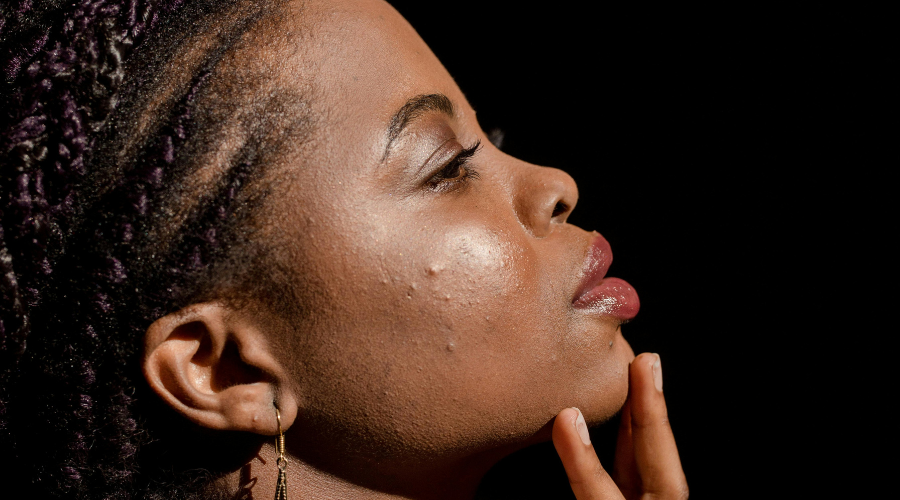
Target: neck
(257,480)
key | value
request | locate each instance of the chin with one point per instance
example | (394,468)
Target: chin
(603,407)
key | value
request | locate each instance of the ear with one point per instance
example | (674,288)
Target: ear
(214,365)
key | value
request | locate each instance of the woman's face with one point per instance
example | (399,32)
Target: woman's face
(441,293)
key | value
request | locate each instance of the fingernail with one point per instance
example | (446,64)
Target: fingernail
(581,427)
(657,373)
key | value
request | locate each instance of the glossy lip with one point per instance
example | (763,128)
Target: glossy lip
(600,295)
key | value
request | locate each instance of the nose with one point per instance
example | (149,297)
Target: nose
(544,198)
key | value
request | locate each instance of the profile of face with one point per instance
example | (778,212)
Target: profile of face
(445,319)
(452,311)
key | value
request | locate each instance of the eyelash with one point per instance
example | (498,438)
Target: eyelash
(447,179)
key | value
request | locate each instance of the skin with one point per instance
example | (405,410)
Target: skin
(441,334)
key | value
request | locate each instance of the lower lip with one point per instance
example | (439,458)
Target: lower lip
(612,297)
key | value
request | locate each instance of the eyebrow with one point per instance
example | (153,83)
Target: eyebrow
(413,108)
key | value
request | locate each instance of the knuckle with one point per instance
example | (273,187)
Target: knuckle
(644,420)
(597,474)
(676,492)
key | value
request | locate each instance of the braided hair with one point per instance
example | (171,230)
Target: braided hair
(119,203)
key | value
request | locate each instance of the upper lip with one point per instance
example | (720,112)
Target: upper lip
(596,263)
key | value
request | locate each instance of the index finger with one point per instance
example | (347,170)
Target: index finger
(587,477)
(655,453)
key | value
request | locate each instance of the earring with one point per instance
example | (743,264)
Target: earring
(281,462)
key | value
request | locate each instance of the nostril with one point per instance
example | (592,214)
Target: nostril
(560,209)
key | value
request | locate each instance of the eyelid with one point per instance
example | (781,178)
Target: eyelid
(443,155)
(462,159)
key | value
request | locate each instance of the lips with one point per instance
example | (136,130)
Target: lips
(600,295)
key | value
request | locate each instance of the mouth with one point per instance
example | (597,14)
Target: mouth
(600,295)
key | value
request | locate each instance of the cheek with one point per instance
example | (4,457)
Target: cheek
(475,274)
(437,325)
(445,336)
(458,299)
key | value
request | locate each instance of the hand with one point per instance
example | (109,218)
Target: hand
(647,463)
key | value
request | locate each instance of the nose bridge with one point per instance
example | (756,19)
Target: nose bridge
(544,198)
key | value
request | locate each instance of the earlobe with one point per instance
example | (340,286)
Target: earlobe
(215,366)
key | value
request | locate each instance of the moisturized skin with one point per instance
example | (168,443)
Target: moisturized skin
(442,283)
(444,326)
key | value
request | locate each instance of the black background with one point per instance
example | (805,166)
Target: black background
(736,158)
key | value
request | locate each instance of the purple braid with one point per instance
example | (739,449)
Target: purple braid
(67,89)
(88,255)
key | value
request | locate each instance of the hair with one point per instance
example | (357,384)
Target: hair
(136,156)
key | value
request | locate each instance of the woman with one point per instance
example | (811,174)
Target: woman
(227,220)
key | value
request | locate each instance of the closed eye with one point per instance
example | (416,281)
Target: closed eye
(457,172)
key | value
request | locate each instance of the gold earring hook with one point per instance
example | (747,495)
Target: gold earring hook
(281,461)
(278,418)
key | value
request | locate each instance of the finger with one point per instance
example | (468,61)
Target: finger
(655,452)
(587,477)
(625,472)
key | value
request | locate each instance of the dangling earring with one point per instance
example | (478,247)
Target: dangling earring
(281,462)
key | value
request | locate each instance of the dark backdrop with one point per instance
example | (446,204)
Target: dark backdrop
(735,159)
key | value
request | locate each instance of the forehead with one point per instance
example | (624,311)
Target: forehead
(364,47)
(361,60)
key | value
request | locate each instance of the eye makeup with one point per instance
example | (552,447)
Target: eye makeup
(457,172)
